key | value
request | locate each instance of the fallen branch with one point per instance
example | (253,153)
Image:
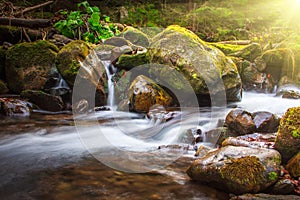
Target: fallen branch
(20,13)
(27,23)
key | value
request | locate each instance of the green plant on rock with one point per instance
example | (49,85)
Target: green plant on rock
(86,25)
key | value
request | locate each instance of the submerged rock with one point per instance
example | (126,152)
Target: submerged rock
(43,100)
(205,67)
(14,107)
(145,93)
(288,136)
(237,170)
(28,65)
(240,122)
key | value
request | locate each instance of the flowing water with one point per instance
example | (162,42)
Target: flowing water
(44,157)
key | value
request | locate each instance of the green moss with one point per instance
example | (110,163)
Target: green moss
(228,48)
(273,176)
(128,62)
(243,171)
(135,36)
(67,60)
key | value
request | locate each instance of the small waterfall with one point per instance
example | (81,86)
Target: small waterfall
(110,71)
(61,88)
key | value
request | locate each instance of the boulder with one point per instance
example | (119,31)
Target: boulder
(205,67)
(218,135)
(145,93)
(240,121)
(116,41)
(77,61)
(68,60)
(28,65)
(288,136)
(135,36)
(293,166)
(14,107)
(43,100)
(265,122)
(237,170)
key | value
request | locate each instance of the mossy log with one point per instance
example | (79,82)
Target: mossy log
(27,23)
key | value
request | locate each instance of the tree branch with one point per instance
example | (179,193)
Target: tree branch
(27,23)
(33,8)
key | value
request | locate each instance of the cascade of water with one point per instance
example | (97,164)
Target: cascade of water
(110,71)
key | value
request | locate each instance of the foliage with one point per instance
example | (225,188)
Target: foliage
(86,24)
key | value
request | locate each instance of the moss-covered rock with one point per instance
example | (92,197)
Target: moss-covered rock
(43,100)
(116,41)
(237,170)
(249,52)
(2,63)
(3,87)
(68,58)
(145,93)
(228,49)
(127,61)
(288,136)
(206,68)
(278,63)
(29,64)
(135,36)
(293,166)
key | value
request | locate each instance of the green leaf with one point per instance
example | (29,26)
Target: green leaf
(85,4)
(94,19)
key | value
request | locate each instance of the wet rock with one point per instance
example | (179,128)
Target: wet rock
(291,95)
(202,150)
(265,122)
(254,140)
(116,52)
(28,65)
(68,58)
(265,197)
(135,36)
(218,135)
(145,93)
(104,51)
(288,91)
(205,67)
(240,122)
(43,100)
(288,136)
(187,138)
(293,166)
(14,107)
(283,186)
(237,170)
(116,41)
(3,87)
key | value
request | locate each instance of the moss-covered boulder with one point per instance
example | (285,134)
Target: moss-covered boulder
(28,65)
(293,166)
(228,49)
(135,36)
(3,87)
(68,59)
(145,93)
(43,100)
(207,69)
(278,63)
(288,136)
(249,52)
(129,61)
(2,62)
(237,170)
